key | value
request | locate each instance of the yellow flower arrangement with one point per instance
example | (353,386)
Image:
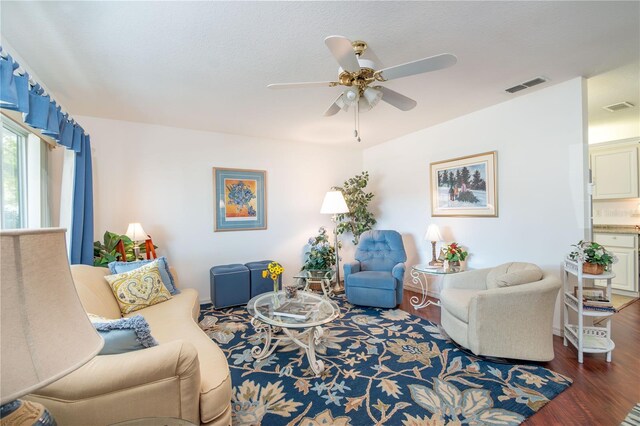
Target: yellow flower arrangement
(273,271)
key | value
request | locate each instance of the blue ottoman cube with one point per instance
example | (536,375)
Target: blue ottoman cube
(260,285)
(229,285)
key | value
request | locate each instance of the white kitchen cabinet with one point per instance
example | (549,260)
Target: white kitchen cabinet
(625,247)
(614,171)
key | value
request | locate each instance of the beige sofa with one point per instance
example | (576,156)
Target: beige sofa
(186,376)
(504,312)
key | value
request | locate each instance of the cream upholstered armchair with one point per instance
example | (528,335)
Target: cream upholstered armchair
(506,311)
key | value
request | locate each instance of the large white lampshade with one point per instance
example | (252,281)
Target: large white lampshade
(433,233)
(45,333)
(136,233)
(334,203)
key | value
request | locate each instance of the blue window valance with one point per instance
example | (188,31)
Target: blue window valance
(19,93)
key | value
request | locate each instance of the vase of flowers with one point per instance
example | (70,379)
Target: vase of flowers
(455,258)
(594,257)
(273,271)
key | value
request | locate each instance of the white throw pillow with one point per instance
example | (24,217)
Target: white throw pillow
(513,273)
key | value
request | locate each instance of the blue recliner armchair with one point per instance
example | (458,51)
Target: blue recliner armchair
(375,278)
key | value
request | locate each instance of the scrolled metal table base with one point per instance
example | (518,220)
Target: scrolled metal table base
(422,302)
(307,339)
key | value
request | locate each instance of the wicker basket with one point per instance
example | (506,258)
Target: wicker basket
(315,284)
(592,268)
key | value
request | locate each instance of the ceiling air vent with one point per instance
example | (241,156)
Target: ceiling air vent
(534,82)
(526,84)
(617,107)
(515,89)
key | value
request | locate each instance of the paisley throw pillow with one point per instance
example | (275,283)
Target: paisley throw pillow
(138,289)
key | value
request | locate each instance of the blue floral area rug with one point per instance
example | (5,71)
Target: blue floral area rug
(382,367)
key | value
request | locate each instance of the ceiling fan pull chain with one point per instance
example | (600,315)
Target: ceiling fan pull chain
(357,117)
(355,121)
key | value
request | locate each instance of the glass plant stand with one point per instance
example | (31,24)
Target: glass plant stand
(323,277)
(278,329)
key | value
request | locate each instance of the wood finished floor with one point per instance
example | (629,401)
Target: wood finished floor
(602,393)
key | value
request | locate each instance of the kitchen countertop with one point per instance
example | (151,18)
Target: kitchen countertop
(617,229)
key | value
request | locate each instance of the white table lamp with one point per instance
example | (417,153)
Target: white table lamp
(136,234)
(45,333)
(433,235)
(335,204)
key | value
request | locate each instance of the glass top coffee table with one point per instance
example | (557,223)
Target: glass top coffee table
(297,320)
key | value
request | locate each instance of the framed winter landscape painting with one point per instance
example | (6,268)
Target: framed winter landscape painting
(240,199)
(465,186)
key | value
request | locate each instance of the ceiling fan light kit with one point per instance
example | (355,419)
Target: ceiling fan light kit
(351,96)
(358,75)
(373,96)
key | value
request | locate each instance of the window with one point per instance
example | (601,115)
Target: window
(13,177)
(23,167)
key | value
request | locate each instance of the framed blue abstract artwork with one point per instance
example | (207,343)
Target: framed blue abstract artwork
(240,199)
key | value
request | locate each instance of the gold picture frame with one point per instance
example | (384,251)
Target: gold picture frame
(465,186)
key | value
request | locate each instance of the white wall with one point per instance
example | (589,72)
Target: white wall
(162,177)
(541,143)
(615,130)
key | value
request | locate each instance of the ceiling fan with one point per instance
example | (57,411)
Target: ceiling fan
(360,78)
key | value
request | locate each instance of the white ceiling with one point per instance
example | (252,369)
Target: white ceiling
(205,65)
(618,85)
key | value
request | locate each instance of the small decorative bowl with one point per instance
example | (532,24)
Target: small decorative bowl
(290,291)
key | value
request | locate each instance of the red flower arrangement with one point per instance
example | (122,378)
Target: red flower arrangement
(455,253)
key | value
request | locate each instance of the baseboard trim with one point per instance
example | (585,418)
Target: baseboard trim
(417,289)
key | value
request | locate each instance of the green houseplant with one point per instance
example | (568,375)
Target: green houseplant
(595,258)
(106,251)
(359,219)
(321,255)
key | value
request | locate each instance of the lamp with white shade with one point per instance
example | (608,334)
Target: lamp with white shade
(137,235)
(335,204)
(433,235)
(45,333)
